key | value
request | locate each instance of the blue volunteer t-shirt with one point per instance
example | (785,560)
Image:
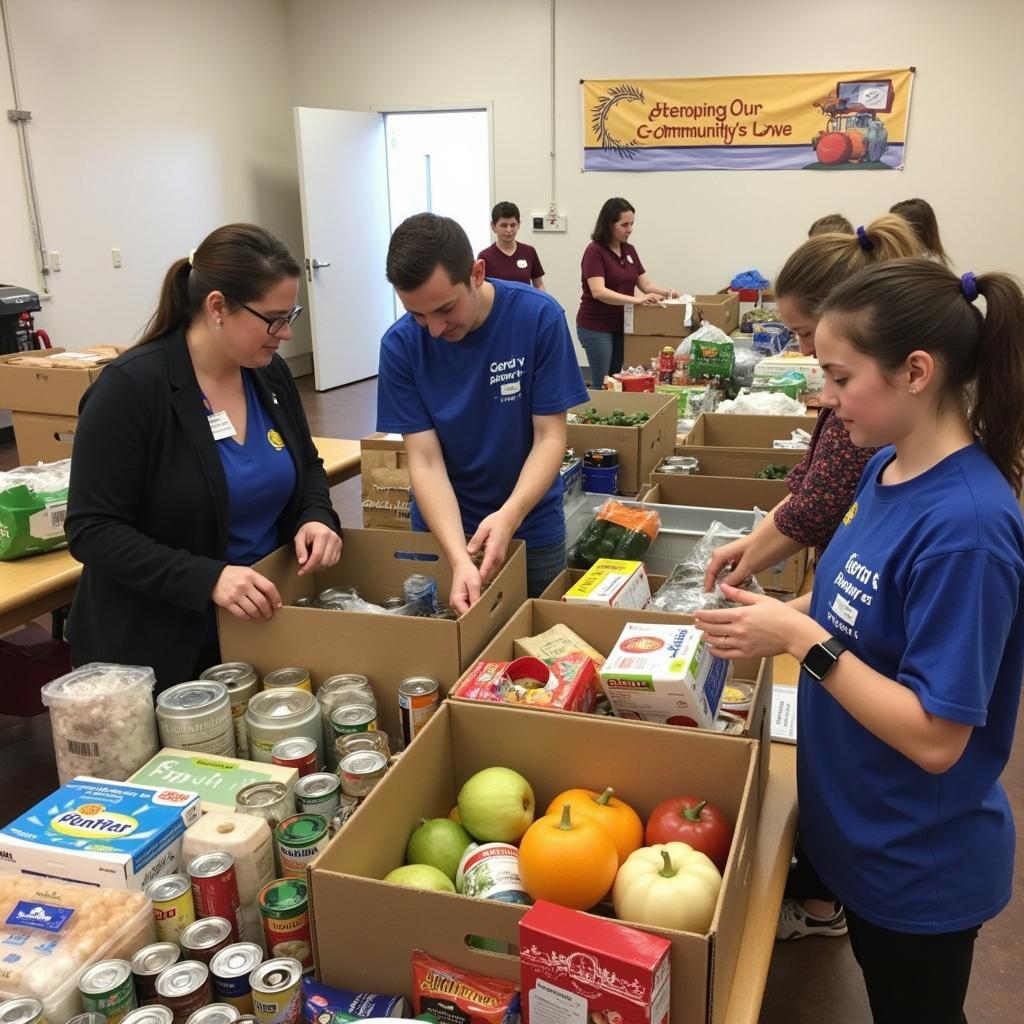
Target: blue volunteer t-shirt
(260,477)
(924,582)
(479,395)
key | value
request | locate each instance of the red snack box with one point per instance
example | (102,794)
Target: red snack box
(568,683)
(579,969)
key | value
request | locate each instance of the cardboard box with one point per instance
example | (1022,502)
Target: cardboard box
(569,683)
(600,627)
(216,779)
(727,430)
(676,319)
(555,642)
(640,349)
(599,970)
(385,482)
(640,448)
(28,386)
(385,648)
(553,752)
(42,438)
(720,309)
(613,584)
(88,831)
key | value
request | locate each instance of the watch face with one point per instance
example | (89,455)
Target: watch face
(819,661)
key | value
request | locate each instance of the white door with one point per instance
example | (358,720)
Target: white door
(343,182)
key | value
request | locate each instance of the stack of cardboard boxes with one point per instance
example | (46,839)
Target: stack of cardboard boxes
(648,329)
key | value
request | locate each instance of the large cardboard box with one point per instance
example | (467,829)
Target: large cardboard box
(28,385)
(727,430)
(721,310)
(725,492)
(730,472)
(386,486)
(639,349)
(670,320)
(640,448)
(42,438)
(645,764)
(385,648)
(601,627)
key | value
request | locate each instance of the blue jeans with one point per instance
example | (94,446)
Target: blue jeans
(542,566)
(604,353)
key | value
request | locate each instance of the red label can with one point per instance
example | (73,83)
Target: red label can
(215,889)
(298,752)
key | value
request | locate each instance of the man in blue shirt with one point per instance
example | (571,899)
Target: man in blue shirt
(477,377)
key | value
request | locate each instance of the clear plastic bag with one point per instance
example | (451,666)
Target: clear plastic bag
(617,531)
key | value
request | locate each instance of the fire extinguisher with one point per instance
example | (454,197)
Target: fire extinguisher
(27,337)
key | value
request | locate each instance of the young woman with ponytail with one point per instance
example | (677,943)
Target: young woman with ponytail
(192,460)
(912,642)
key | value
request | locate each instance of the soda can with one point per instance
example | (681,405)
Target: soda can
(318,794)
(184,988)
(24,1010)
(156,1013)
(297,752)
(230,969)
(173,906)
(147,964)
(298,677)
(215,889)
(215,1013)
(205,938)
(284,907)
(418,699)
(349,718)
(277,991)
(107,987)
(361,771)
(299,839)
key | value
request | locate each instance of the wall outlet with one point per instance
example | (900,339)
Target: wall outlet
(550,222)
(115,256)
(56,261)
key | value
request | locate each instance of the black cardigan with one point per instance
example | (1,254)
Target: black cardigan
(148,506)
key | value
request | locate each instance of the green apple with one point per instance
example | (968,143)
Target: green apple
(496,805)
(440,843)
(420,876)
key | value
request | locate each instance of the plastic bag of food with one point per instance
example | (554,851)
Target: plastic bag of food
(711,351)
(617,531)
(33,506)
(103,720)
(455,996)
(762,403)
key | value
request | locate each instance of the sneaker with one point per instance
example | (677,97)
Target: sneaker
(796,923)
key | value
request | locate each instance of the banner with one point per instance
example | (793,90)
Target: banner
(855,120)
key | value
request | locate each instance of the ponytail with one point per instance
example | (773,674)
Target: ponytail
(919,214)
(895,308)
(242,261)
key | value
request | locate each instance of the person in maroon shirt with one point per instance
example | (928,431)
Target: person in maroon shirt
(613,277)
(507,259)
(822,487)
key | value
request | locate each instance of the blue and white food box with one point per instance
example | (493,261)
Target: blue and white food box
(117,834)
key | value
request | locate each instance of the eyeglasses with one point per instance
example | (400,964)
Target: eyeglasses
(274,323)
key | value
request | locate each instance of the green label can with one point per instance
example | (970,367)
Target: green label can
(299,839)
(107,987)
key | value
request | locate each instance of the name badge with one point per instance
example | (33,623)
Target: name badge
(221,425)
(629,259)
(522,264)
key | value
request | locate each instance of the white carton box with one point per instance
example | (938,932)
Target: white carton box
(775,366)
(663,673)
(117,834)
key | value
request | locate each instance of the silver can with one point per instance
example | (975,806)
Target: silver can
(418,699)
(230,969)
(279,714)
(351,718)
(346,688)
(282,677)
(377,740)
(215,1013)
(147,963)
(196,716)
(277,991)
(157,1013)
(184,988)
(204,939)
(361,771)
(22,1011)
(242,684)
(318,794)
(270,800)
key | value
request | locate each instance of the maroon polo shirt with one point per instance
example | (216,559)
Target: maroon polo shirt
(620,274)
(522,266)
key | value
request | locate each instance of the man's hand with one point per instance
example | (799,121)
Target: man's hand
(466,587)
(316,547)
(245,593)
(491,537)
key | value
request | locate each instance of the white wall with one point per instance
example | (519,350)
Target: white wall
(153,121)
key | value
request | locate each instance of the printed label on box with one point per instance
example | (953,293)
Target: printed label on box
(39,915)
(550,1004)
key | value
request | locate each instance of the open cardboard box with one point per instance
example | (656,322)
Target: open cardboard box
(724,492)
(365,930)
(728,430)
(601,627)
(43,438)
(52,391)
(640,448)
(669,320)
(385,482)
(385,648)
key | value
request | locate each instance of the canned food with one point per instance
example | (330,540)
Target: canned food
(353,741)
(242,685)
(728,723)
(297,752)
(184,987)
(392,604)
(490,871)
(279,714)
(22,1011)
(346,688)
(196,716)
(284,907)
(417,700)
(269,800)
(336,595)
(215,1013)
(737,698)
(299,839)
(280,677)
(230,969)
(204,939)
(107,987)
(156,1013)
(318,794)
(147,963)
(346,808)
(215,889)
(173,907)
(349,718)
(98,1018)
(361,771)
(276,991)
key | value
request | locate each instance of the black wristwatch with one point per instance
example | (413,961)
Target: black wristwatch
(822,658)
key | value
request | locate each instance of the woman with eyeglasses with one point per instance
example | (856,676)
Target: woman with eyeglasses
(193,460)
